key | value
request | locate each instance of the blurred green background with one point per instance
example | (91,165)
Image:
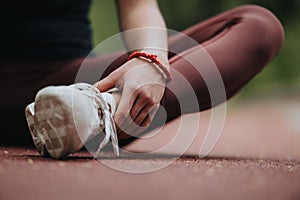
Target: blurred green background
(281,76)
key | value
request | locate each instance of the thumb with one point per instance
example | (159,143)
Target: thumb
(108,82)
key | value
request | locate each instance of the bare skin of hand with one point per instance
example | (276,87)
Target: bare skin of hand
(142,87)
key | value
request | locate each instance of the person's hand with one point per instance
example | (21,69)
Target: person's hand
(142,88)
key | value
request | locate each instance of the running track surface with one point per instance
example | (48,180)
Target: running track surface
(256,157)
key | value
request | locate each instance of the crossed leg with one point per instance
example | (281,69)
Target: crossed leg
(236,44)
(232,47)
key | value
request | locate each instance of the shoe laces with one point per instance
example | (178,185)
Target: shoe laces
(109,127)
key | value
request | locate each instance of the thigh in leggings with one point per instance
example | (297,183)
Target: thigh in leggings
(240,42)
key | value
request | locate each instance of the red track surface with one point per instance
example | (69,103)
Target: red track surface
(257,157)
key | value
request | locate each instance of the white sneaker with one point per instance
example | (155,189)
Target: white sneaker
(63,118)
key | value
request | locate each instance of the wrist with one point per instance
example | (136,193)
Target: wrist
(163,68)
(162,55)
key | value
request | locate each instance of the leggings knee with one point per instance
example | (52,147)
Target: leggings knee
(271,29)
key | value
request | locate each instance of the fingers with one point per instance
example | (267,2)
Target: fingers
(147,119)
(140,117)
(110,81)
(127,100)
(142,127)
(133,121)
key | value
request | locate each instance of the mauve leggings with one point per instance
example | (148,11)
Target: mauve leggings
(240,42)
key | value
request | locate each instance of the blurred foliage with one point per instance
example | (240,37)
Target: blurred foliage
(283,71)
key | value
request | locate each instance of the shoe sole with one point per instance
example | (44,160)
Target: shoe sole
(53,124)
(39,145)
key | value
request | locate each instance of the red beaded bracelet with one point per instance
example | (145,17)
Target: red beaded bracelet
(153,58)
